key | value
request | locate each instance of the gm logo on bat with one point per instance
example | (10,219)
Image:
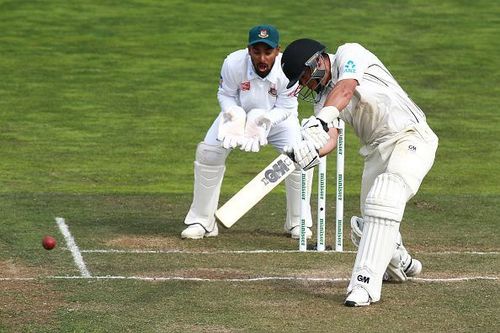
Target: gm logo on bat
(273,174)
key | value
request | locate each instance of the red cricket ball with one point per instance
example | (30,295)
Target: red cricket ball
(49,242)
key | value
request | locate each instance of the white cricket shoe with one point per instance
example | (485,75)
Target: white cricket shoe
(358,297)
(414,268)
(401,274)
(196,231)
(295,232)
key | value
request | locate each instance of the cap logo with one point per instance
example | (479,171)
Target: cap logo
(263,33)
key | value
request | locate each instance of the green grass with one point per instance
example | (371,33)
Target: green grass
(102,104)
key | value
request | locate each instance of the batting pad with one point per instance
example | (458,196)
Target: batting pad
(387,197)
(293,194)
(207,184)
(376,248)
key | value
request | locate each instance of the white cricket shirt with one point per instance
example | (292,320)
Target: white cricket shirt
(380,108)
(241,85)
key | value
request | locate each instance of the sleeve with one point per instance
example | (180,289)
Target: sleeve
(228,91)
(352,60)
(286,104)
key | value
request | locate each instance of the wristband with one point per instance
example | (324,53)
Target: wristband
(328,114)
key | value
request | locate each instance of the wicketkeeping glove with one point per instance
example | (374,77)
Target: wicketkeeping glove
(256,130)
(315,131)
(232,127)
(304,154)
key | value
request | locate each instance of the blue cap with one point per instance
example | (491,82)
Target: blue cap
(264,34)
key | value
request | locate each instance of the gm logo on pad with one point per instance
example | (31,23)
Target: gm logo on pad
(364,279)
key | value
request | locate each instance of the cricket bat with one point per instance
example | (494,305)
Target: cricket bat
(255,190)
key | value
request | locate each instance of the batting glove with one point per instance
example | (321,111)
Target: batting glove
(315,131)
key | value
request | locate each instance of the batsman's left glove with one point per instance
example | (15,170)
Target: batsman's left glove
(315,131)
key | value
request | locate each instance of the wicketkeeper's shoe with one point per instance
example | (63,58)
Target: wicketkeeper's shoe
(358,297)
(196,231)
(295,232)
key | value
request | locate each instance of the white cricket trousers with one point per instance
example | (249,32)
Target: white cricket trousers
(410,155)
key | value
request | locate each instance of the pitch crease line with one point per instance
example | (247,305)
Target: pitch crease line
(263,278)
(266,251)
(204,252)
(70,243)
(250,279)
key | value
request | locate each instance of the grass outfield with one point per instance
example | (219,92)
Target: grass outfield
(102,104)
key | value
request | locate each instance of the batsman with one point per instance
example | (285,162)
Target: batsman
(258,106)
(398,148)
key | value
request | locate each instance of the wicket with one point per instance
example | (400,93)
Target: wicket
(321,212)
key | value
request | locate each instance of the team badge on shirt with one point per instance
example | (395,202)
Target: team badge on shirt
(272,91)
(245,86)
(350,67)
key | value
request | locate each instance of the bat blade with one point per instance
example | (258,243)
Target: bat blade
(255,190)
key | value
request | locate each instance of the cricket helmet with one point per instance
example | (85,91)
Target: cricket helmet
(299,55)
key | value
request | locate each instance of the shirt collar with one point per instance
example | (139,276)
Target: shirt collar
(334,71)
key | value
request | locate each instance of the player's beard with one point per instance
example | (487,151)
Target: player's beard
(262,69)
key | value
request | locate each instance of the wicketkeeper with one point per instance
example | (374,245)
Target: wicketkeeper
(258,106)
(397,144)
